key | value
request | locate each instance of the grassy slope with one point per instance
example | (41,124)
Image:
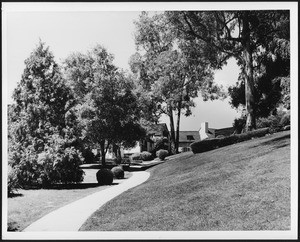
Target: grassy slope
(245,186)
(30,205)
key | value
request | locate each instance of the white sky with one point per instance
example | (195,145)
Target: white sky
(70,31)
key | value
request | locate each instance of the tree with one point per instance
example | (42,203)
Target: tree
(268,93)
(239,34)
(168,77)
(107,108)
(38,126)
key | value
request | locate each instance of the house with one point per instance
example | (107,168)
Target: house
(186,138)
(206,132)
(154,132)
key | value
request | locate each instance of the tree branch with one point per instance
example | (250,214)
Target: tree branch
(192,31)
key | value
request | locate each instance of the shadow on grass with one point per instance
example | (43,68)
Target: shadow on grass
(12,226)
(76,186)
(276,142)
(12,195)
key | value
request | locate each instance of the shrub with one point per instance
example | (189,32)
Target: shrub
(135,157)
(56,163)
(67,166)
(205,145)
(12,226)
(118,172)
(162,154)
(239,124)
(210,144)
(105,176)
(125,167)
(160,144)
(88,156)
(118,160)
(285,119)
(146,156)
(272,122)
(12,181)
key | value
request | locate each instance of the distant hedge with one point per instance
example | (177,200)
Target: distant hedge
(210,144)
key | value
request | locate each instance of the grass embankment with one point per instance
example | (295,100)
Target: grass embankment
(245,186)
(28,206)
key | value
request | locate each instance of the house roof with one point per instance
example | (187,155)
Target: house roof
(189,136)
(225,131)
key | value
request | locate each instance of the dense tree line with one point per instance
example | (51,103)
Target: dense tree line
(59,112)
(178,48)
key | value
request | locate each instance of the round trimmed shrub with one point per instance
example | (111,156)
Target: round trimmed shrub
(135,157)
(162,154)
(160,144)
(118,172)
(105,176)
(146,156)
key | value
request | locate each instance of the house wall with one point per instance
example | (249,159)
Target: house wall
(203,131)
(184,146)
(135,149)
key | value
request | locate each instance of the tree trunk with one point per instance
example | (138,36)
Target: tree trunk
(177,127)
(249,81)
(102,148)
(172,131)
(117,152)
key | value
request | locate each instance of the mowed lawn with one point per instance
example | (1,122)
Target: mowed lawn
(30,205)
(245,186)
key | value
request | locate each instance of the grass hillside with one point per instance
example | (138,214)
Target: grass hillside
(245,186)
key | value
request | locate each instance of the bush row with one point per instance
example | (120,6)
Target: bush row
(56,164)
(275,123)
(147,156)
(210,144)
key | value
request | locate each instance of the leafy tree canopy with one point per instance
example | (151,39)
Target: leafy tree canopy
(240,34)
(107,107)
(38,124)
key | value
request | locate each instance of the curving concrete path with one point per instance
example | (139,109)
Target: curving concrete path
(72,216)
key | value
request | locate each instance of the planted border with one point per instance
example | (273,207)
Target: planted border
(211,144)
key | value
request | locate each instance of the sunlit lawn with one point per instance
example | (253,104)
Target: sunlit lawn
(245,186)
(29,205)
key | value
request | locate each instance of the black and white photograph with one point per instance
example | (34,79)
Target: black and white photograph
(149,120)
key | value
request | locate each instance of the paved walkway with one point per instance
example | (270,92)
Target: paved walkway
(72,216)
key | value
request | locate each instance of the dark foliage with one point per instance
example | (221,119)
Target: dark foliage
(160,144)
(118,172)
(239,124)
(162,154)
(146,156)
(105,176)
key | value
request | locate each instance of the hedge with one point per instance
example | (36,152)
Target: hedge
(210,144)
